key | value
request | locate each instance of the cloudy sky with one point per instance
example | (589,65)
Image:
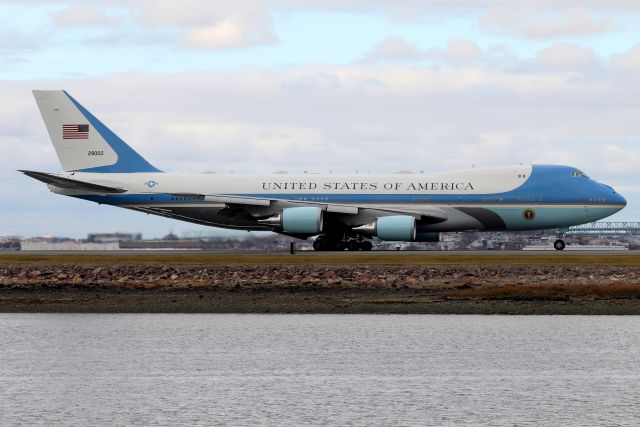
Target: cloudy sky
(262,86)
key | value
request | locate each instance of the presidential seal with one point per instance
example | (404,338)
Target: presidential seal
(529,214)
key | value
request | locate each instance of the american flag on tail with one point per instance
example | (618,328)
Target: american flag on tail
(75,131)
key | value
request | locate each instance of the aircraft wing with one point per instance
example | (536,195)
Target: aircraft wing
(349,214)
(72,184)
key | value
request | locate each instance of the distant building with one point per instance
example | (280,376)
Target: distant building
(171,236)
(113,237)
(9,243)
(68,246)
(162,244)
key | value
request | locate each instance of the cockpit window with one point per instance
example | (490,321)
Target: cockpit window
(578,173)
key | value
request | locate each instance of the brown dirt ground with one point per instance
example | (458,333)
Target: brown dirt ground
(464,285)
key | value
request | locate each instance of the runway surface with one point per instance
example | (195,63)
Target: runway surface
(330,253)
(616,258)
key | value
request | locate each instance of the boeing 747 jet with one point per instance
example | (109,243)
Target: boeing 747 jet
(343,211)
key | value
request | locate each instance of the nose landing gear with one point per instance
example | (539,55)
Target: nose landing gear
(559,244)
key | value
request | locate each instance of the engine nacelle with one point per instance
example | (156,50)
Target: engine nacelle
(431,237)
(302,220)
(394,228)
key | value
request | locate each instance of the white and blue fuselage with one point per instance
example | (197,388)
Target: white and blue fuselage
(505,198)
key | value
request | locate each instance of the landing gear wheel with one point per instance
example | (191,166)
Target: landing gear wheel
(328,244)
(366,245)
(323,244)
(353,245)
(559,245)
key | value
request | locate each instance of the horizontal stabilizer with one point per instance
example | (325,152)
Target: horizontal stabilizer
(72,184)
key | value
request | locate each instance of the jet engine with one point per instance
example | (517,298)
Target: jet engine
(394,228)
(302,220)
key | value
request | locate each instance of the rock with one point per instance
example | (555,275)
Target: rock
(174,276)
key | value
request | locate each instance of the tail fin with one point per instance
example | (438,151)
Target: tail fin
(81,141)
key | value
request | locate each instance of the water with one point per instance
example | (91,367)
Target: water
(167,369)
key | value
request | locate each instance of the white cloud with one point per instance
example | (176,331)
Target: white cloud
(316,81)
(206,26)
(192,13)
(621,160)
(576,23)
(565,57)
(202,24)
(221,35)
(628,60)
(537,21)
(17,46)
(394,49)
(228,33)
(463,50)
(83,15)
(458,51)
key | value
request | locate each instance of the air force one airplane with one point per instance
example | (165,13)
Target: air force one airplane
(344,211)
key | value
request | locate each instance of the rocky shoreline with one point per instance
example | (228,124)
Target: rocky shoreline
(300,288)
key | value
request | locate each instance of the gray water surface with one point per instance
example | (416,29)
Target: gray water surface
(206,369)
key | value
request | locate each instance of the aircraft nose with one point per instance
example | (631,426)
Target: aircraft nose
(616,198)
(619,198)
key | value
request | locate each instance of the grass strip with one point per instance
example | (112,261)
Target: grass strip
(373,258)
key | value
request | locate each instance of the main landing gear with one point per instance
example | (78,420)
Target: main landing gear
(328,243)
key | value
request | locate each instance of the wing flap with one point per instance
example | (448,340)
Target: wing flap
(262,202)
(259,206)
(238,200)
(433,213)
